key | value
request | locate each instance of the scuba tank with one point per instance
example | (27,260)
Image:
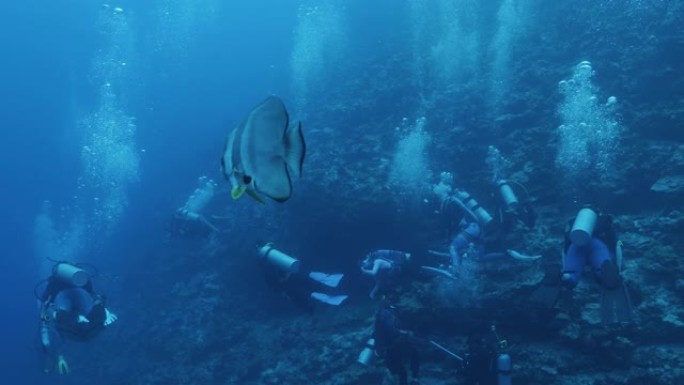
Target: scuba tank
(70,274)
(583,226)
(279,259)
(504,368)
(367,355)
(201,196)
(508,195)
(473,207)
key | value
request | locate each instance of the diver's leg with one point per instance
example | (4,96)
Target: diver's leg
(394,363)
(374,293)
(414,360)
(459,243)
(599,255)
(546,293)
(616,305)
(573,264)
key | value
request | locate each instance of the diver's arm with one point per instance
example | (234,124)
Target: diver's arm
(462,206)
(618,255)
(206,222)
(453,254)
(44,319)
(44,335)
(51,348)
(377,266)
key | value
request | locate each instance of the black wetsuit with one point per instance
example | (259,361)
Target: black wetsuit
(297,286)
(480,365)
(66,321)
(185,228)
(395,345)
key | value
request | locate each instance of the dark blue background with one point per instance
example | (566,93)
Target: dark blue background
(47,51)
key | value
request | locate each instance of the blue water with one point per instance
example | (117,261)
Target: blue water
(181,73)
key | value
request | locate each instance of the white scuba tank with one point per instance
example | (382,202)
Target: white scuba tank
(201,196)
(70,274)
(279,259)
(471,204)
(583,227)
(508,195)
(367,355)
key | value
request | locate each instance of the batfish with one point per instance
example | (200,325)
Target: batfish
(263,152)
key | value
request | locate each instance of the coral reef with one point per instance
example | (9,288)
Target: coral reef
(212,325)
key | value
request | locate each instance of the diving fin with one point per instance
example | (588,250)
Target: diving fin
(334,300)
(439,271)
(547,292)
(616,306)
(330,280)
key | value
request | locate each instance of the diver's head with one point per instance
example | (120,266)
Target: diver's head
(367,262)
(388,302)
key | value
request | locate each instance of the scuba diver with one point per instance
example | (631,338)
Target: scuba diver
(283,274)
(387,267)
(469,240)
(395,345)
(513,209)
(69,309)
(590,239)
(487,361)
(190,225)
(188,221)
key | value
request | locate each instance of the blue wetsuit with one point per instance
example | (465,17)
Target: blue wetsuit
(597,253)
(471,234)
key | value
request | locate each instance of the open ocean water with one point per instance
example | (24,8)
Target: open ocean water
(114,115)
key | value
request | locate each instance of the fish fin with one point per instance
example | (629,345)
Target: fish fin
(275,181)
(252,194)
(295,149)
(261,140)
(237,192)
(262,149)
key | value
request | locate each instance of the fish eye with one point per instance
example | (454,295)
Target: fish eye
(247,179)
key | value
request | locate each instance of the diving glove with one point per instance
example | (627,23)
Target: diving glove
(110,317)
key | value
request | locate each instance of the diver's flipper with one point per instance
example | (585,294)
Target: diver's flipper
(522,257)
(547,292)
(545,296)
(334,300)
(330,280)
(616,306)
(438,271)
(615,302)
